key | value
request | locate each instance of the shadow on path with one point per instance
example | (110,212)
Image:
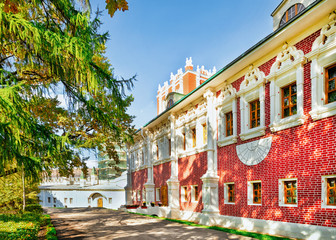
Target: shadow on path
(95,223)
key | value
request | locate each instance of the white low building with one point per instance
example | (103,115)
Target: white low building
(80,192)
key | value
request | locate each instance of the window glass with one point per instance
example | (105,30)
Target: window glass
(229,124)
(331,191)
(331,84)
(255,114)
(257,192)
(231,192)
(291,13)
(290,192)
(289,99)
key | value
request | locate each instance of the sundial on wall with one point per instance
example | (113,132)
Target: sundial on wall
(252,153)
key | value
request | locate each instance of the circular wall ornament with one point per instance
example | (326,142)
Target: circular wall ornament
(252,153)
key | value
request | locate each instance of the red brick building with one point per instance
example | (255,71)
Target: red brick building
(254,146)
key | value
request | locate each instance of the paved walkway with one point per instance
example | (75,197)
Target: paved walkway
(94,223)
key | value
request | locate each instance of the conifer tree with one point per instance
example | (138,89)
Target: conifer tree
(46,45)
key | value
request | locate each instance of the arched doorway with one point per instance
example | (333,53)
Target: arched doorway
(99,197)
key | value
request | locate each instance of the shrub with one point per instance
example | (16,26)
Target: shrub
(34,208)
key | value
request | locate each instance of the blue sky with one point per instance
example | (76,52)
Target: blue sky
(153,38)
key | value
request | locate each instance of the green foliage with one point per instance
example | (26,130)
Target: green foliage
(11,192)
(46,46)
(20,226)
(35,208)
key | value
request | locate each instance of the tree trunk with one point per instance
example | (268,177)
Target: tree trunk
(23,190)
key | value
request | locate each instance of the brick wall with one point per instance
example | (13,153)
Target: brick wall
(161,174)
(305,152)
(191,169)
(139,178)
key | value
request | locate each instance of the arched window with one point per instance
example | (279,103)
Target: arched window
(170,103)
(291,12)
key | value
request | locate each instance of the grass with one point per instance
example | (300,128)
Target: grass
(25,226)
(228,230)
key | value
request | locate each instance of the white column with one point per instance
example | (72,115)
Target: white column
(128,187)
(149,185)
(210,178)
(173,182)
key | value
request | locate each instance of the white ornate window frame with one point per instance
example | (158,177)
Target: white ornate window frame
(324,192)
(282,193)
(287,69)
(226,193)
(323,55)
(250,193)
(251,89)
(227,102)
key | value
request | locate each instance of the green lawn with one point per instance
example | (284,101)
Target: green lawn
(25,226)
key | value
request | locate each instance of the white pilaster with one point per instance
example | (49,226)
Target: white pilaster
(210,178)
(173,182)
(128,187)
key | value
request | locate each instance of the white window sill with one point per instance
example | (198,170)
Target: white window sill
(287,205)
(227,141)
(254,204)
(324,111)
(287,122)
(231,203)
(252,133)
(193,151)
(160,161)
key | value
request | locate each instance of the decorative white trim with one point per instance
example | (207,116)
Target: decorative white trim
(226,193)
(250,193)
(227,102)
(282,193)
(287,69)
(324,192)
(323,55)
(252,88)
(253,153)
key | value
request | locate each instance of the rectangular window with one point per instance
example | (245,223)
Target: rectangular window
(157,151)
(257,192)
(205,133)
(110,200)
(331,191)
(254,114)
(231,192)
(65,200)
(70,200)
(290,192)
(184,194)
(330,84)
(158,194)
(193,135)
(169,147)
(194,193)
(289,107)
(184,141)
(49,199)
(229,124)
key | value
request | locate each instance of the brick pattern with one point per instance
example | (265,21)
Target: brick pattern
(191,169)
(139,178)
(161,174)
(305,152)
